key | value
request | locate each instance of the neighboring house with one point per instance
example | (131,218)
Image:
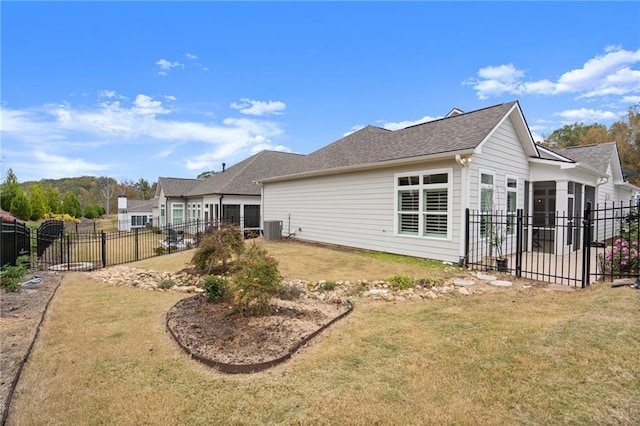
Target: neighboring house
(172,196)
(406,191)
(232,195)
(137,214)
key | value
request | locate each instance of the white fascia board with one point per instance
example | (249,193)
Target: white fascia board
(369,166)
(626,185)
(562,165)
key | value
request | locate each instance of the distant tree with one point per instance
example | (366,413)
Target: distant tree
(143,186)
(38,202)
(576,134)
(93,211)
(71,205)
(107,188)
(206,174)
(8,190)
(52,196)
(20,206)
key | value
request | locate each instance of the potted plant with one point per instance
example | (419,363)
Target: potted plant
(496,238)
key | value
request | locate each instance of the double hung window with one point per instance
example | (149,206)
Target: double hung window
(423,203)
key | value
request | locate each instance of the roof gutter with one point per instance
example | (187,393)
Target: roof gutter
(369,166)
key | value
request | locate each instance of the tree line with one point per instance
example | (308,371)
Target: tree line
(626,134)
(86,196)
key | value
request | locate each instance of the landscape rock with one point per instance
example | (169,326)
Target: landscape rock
(461,282)
(501,283)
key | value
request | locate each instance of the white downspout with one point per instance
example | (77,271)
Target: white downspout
(464,199)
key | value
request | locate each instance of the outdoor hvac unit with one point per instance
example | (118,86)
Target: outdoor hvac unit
(272,230)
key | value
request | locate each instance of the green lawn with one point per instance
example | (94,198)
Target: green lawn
(518,356)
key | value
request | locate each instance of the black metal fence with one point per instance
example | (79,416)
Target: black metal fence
(15,241)
(573,249)
(64,249)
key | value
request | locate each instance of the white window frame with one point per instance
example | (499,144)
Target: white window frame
(422,213)
(173,210)
(481,207)
(511,220)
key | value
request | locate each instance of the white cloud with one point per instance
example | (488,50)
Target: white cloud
(354,129)
(265,146)
(191,56)
(91,135)
(145,105)
(630,99)
(603,75)
(252,107)
(170,98)
(403,124)
(165,66)
(584,114)
(57,166)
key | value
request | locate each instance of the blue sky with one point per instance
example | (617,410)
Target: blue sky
(149,89)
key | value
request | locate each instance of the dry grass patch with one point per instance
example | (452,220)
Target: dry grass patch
(533,357)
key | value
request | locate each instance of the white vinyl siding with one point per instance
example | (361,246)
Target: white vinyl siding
(502,155)
(360,210)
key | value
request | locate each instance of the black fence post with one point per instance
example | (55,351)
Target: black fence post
(135,242)
(586,246)
(104,249)
(519,233)
(467,237)
(68,252)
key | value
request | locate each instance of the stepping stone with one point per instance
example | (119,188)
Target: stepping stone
(463,283)
(485,277)
(375,291)
(500,283)
(623,282)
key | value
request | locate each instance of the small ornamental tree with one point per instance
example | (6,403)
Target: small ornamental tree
(20,206)
(39,206)
(217,247)
(8,190)
(255,281)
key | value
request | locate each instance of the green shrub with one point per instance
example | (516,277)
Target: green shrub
(166,283)
(401,282)
(255,281)
(329,285)
(11,275)
(290,292)
(216,288)
(218,246)
(160,250)
(428,282)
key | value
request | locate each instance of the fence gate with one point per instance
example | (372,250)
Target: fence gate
(564,248)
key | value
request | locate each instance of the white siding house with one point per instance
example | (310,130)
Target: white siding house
(231,195)
(407,191)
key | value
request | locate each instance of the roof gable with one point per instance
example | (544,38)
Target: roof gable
(241,178)
(458,132)
(599,156)
(175,187)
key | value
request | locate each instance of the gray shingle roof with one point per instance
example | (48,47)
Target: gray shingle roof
(373,144)
(176,187)
(241,178)
(142,206)
(597,156)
